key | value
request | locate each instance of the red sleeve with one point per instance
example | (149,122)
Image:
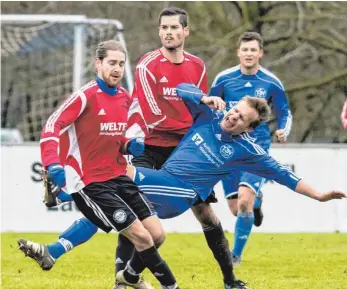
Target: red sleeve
(202,84)
(56,124)
(146,92)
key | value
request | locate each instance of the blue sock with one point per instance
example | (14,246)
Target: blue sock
(79,232)
(256,202)
(243,228)
(64,197)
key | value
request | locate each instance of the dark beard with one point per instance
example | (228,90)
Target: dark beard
(172,49)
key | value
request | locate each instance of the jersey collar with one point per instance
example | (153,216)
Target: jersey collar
(105,88)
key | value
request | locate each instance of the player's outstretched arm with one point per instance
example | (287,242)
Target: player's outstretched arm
(306,190)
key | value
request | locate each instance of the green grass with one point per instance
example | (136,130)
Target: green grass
(271,261)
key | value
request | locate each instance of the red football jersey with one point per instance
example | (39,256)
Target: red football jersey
(165,113)
(87,130)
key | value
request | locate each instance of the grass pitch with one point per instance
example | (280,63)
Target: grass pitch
(270,261)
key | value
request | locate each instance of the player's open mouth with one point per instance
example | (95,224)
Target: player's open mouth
(229,123)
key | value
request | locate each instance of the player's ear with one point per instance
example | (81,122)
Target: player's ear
(97,62)
(261,53)
(186,31)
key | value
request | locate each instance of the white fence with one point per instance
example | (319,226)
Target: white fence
(324,167)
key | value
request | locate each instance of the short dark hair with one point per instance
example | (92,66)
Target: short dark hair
(104,46)
(172,11)
(249,36)
(262,108)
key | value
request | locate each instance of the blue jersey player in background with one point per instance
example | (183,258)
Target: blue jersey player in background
(243,190)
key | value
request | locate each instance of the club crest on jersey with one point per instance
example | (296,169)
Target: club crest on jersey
(120,216)
(226,151)
(260,92)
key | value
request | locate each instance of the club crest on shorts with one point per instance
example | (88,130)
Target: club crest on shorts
(226,151)
(120,216)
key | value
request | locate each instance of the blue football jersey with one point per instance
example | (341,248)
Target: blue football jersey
(207,154)
(232,85)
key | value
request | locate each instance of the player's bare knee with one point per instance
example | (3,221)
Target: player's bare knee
(243,206)
(155,228)
(142,239)
(159,240)
(205,215)
(232,203)
(139,236)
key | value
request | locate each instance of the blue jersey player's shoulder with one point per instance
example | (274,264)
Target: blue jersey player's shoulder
(227,74)
(248,143)
(268,76)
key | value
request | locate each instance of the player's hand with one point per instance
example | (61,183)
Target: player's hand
(281,135)
(56,174)
(136,147)
(214,102)
(331,195)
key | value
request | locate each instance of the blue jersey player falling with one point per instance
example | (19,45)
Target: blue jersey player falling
(243,189)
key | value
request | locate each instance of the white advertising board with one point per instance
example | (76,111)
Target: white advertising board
(325,168)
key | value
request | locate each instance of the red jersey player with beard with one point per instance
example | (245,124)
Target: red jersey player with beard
(92,168)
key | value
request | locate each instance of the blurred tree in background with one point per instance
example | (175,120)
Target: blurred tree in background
(305,46)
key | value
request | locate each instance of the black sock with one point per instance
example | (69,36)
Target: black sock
(133,268)
(154,262)
(219,246)
(124,252)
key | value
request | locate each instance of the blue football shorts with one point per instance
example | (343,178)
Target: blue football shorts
(168,195)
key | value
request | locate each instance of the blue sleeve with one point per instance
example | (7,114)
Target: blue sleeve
(267,167)
(217,87)
(191,95)
(281,109)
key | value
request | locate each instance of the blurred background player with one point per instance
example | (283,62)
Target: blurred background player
(243,190)
(91,167)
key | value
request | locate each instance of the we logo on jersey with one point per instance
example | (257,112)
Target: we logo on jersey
(112,128)
(170,93)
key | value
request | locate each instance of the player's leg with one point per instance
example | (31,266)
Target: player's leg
(47,254)
(100,203)
(217,242)
(230,187)
(149,159)
(148,227)
(249,188)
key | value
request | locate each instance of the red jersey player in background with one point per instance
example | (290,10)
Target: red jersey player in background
(93,169)
(168,119)
(344,113)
